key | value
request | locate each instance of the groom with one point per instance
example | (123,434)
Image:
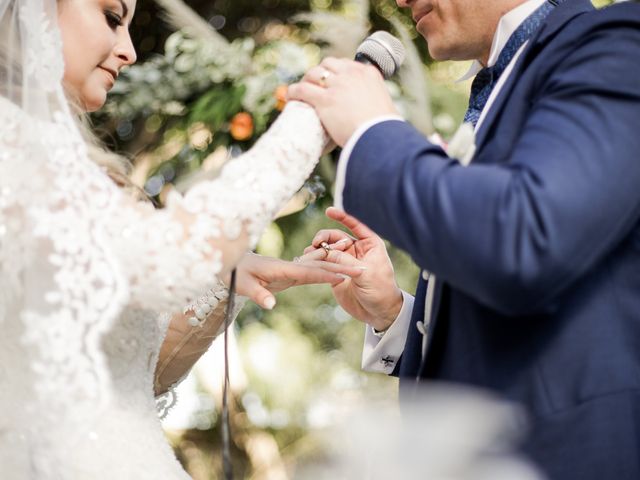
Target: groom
(531,253)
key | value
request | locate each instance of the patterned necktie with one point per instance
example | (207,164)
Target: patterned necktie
(488,77)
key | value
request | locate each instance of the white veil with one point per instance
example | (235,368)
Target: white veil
(31,63)
(48,247)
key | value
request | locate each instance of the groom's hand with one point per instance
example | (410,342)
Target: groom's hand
(372,297)
(345,95)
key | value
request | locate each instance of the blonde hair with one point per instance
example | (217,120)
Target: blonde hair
(117,167)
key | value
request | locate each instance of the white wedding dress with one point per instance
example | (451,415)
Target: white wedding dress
(85,272)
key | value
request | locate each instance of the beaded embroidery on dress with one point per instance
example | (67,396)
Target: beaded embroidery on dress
(85,272)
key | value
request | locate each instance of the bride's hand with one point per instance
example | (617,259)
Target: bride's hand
(260,277)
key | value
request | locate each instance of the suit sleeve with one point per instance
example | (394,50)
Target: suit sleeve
(515,235)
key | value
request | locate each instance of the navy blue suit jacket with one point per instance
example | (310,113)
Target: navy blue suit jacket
(537,242)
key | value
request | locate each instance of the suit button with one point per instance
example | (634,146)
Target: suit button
(425,275)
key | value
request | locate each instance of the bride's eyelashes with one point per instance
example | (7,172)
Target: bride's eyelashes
(113,19)
(115,11)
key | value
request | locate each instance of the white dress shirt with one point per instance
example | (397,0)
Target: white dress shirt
(381,354)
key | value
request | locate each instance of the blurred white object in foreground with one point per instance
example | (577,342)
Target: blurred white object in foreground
(442,433)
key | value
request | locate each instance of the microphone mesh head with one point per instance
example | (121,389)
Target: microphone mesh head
(385,50)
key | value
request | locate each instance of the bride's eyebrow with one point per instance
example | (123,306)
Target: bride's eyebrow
(125,9)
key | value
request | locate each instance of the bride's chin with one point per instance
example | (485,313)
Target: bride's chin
(94,102)
(87,100)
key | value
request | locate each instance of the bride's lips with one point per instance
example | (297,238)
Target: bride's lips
(112,73)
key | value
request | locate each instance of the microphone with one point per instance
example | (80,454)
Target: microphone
(383,51)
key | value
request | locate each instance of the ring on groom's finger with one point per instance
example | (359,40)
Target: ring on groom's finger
(323,78)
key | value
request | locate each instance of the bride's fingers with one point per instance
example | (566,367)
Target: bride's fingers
(258,294)
(341,258)
(289,274)
(351,270)
(319,272)
(311,253)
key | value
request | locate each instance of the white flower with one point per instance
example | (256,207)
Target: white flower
(462,146)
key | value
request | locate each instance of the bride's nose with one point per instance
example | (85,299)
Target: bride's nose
(125,50)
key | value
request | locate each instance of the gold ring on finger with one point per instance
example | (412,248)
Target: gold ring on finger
(323,78)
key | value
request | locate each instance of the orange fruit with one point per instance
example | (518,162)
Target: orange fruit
(281,96)
(241,126)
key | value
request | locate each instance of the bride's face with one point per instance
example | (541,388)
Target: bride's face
(96,45)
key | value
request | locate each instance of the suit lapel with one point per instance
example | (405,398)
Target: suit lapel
(554,22)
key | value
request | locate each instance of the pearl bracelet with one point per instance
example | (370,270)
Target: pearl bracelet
(204,305)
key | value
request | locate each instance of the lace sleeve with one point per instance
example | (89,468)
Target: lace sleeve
(173,254)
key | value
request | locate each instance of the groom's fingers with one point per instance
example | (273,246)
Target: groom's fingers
(335,238)
(358,228)
(336,65)
(318,75)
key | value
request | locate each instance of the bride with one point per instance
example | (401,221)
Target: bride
(86,269)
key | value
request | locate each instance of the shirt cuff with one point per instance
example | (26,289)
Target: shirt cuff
(346,153)
(381,354)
